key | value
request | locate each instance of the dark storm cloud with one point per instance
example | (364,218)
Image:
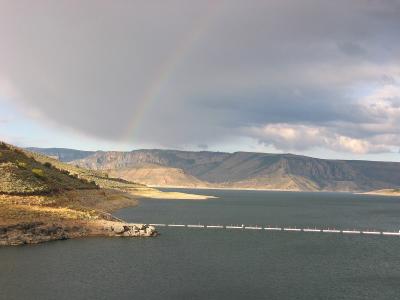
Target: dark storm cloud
(351,49)
(197,72)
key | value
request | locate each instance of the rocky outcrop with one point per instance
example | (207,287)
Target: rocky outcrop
(131,230)
(39,232)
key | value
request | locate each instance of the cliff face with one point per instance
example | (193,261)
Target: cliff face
(244,170)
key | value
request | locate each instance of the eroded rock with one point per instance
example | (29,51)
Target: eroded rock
(132,230)
(31,233)
(38,232)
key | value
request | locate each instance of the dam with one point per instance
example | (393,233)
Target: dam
(283,229)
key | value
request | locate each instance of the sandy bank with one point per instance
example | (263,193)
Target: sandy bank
(156,194)
(385,192)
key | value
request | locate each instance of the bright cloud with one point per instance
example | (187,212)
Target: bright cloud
(379,131)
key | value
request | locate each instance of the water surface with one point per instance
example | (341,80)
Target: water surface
(188,263)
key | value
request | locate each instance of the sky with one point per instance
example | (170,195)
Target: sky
(311,77)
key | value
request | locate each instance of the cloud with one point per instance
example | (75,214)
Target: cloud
(7,90)
(301,137)
(287,136)
(377,132)
(351,49)
(203,72)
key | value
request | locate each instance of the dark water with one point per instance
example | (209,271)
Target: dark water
(222,264)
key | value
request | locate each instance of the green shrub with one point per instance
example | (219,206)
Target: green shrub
(21,165)
(38,173)
(47,164)
(65,172)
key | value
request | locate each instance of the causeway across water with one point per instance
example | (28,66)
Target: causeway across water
(285,229)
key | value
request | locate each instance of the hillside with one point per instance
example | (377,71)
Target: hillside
(43,199)
(163,176)
(21,174)
(244,170)
(106,181)
(101,179)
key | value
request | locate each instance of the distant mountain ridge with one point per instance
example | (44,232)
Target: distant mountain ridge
(239,170)
(62,154)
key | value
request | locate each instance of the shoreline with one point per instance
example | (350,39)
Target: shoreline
(386,193)
(33,219)
(28,233)
(87,213)
(377,193)
(165,195)
(245,189)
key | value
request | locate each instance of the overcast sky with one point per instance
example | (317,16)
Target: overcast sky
(316,77)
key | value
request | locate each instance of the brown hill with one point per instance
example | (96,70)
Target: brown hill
(245,170)
(158,175)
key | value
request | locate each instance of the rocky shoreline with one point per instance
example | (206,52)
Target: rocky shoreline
(39,232)
(121,229)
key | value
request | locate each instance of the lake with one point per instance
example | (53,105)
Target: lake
(191,263)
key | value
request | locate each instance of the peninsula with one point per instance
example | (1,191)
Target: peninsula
(43,199)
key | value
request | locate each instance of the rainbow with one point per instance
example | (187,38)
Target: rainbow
(166,69)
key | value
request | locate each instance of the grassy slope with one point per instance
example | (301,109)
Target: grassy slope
(21,174)
(35,188)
